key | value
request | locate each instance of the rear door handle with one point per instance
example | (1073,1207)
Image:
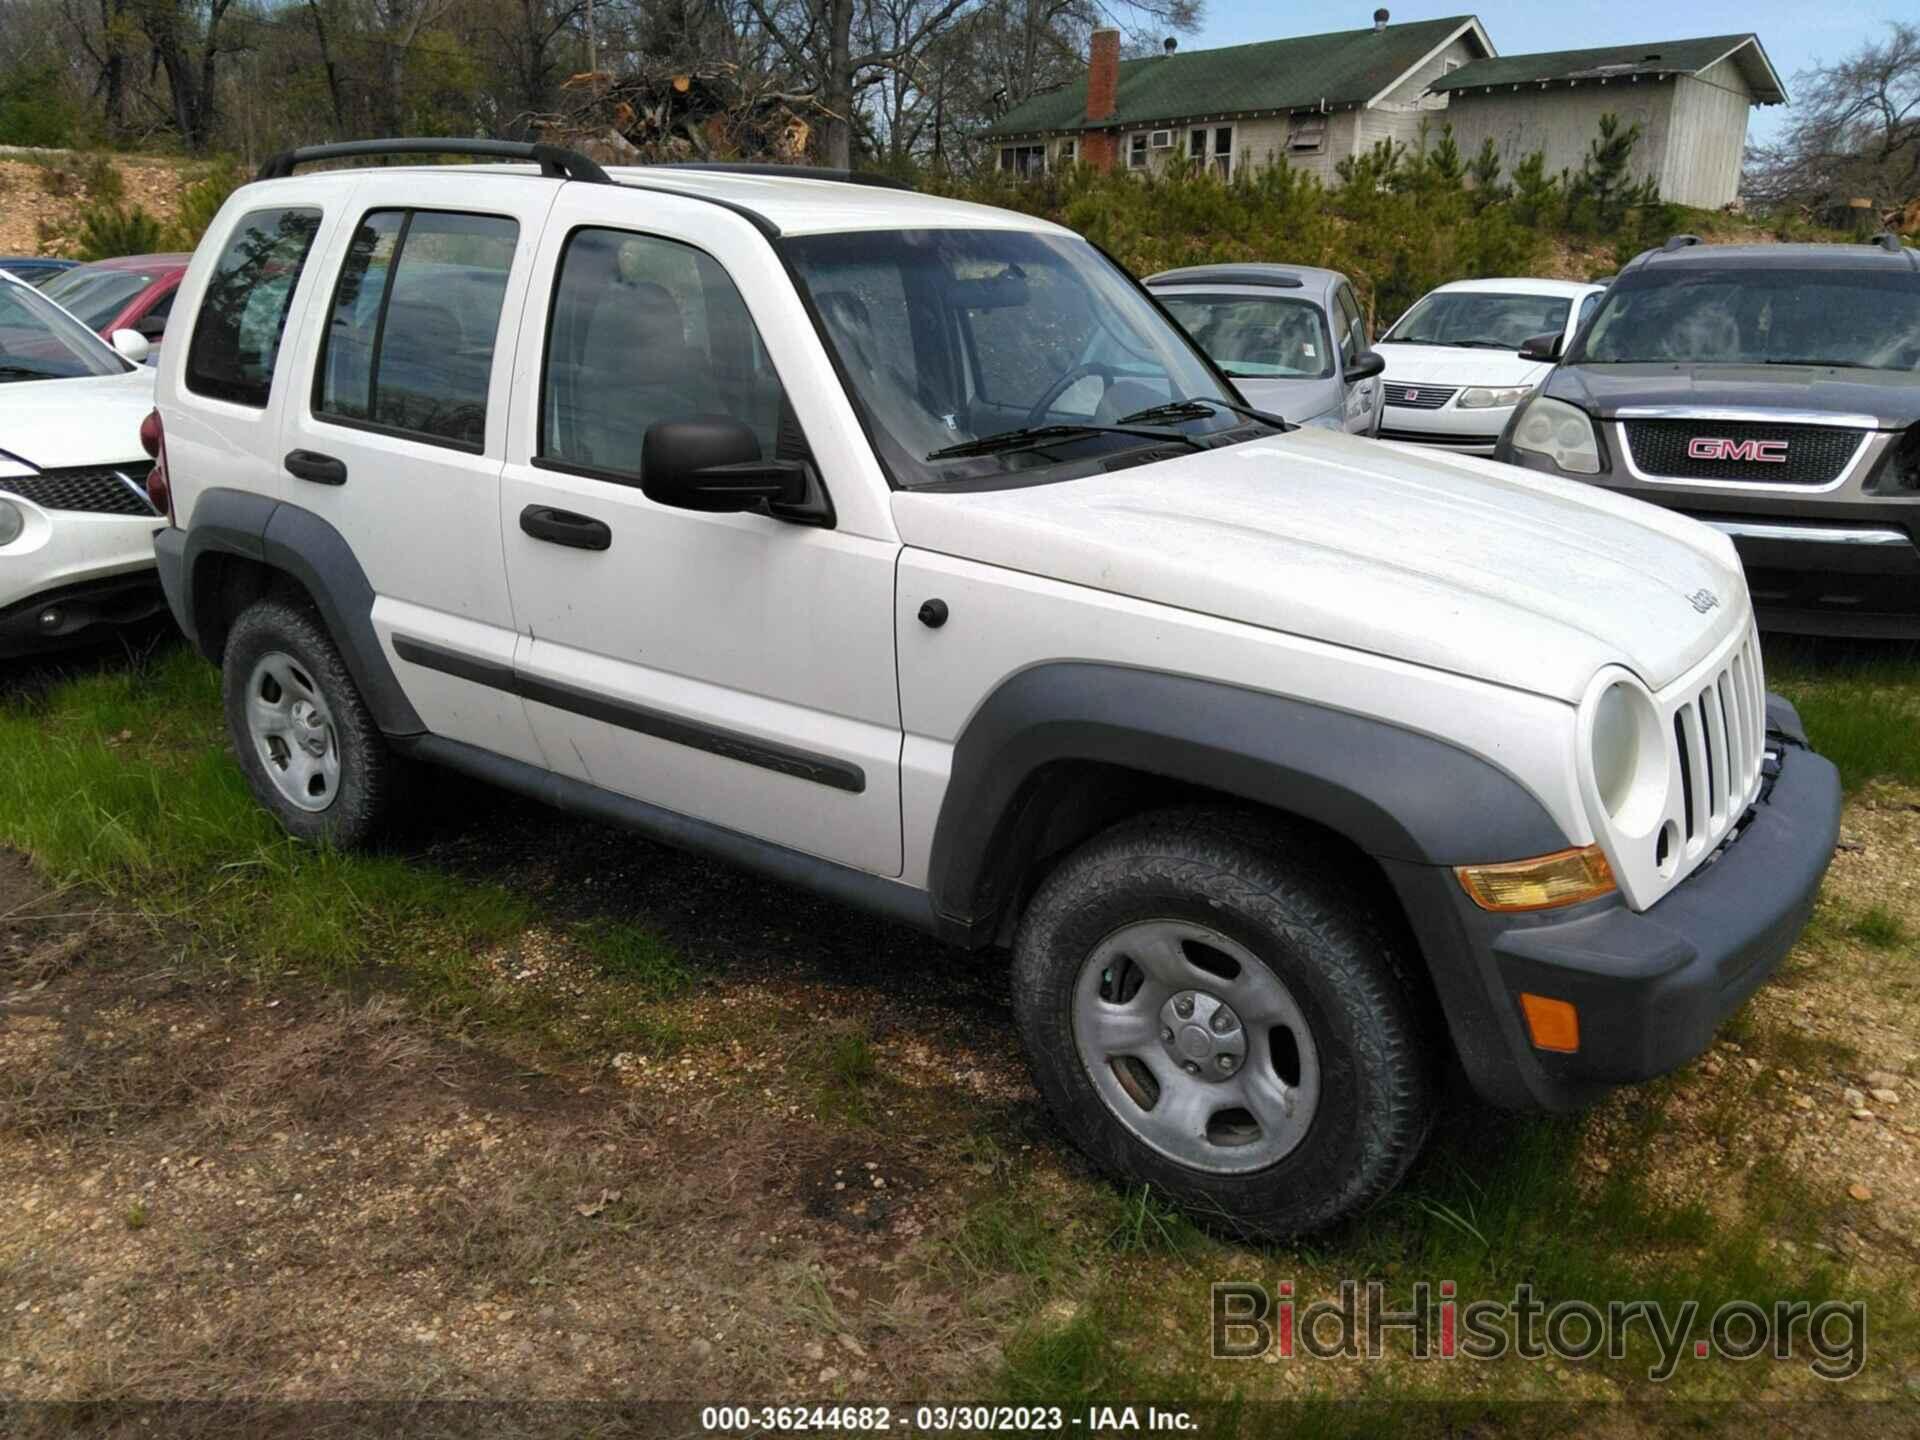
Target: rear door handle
(563,527)
(312,465)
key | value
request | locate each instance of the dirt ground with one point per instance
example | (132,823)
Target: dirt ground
(206,1189)
(30,208)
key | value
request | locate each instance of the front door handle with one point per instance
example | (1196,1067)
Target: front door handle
(563,527)
(312,465)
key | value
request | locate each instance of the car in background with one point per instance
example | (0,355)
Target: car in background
(133,292)
(1772,391)
(35,269)
(76,525)
(1454,368)
(1292,338)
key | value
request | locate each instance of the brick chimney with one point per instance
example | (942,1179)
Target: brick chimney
(1103,80)
(1103,74)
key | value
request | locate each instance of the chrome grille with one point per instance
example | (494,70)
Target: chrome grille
(93,490)
(1420,397)
(1796,454)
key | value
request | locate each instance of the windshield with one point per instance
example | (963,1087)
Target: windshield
(1756,316)
(948,336)
(96,296)
(37,342)
(1257,336)
(1479,320)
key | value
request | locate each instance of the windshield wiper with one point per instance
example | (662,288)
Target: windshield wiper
(1035,437)
(1826,364)
(24,372)
(1198,408)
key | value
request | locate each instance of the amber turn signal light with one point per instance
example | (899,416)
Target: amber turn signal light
(1553,1024)
(1564,878)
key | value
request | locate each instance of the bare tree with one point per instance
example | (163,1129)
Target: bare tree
(1855,130)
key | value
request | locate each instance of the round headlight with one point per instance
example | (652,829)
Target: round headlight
(1616,747)
(12,522)
(1628,762)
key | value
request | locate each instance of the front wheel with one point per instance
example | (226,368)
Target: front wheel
(310,749)
(1213,1010)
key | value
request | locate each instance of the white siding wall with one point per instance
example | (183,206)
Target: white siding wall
(1398,116)
(1709,137)
(1561,121)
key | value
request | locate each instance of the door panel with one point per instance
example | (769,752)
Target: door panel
(729,667)
(396,430)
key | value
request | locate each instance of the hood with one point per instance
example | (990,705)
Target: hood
(1890,396)
(91,420)
(1450,365)
(1295,401)
(1440,560)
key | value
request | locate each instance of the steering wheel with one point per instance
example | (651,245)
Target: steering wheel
(1038,414)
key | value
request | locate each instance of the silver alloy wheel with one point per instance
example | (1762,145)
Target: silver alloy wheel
(292,731)
(1196,1046)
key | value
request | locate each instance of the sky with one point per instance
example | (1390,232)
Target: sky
(1796,34)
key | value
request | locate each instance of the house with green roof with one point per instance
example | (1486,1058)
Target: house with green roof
(1690,98)
(1310,101)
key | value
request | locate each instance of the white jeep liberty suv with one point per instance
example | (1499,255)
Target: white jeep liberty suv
(905,550)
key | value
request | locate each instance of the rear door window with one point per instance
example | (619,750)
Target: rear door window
(415,317)
(243,314)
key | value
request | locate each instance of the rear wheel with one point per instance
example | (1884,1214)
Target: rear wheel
(311,751)
(1213,1010)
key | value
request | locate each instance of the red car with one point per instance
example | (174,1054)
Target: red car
(134,292)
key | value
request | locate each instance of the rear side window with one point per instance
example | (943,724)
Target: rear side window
(645,330)
(416,312)
(236,335)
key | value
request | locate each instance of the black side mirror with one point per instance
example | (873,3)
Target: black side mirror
(151,326)
(1542,347)
(712,463)
(1366,365)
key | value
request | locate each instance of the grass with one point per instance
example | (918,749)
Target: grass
(1880,928)
(122,781)
(1859,704)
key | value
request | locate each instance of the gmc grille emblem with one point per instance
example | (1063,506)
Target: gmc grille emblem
(1765,452)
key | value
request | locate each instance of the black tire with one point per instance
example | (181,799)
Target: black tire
(1269,889)
(357,807)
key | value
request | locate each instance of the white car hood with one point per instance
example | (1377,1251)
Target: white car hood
(1446,561)
(1450,365)
(90,420)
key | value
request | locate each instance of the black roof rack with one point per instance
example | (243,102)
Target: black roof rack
(791,172)
(554,162)
(1681,242)
(1889,242)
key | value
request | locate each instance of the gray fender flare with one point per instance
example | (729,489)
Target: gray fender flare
(305,547)
(1396,794)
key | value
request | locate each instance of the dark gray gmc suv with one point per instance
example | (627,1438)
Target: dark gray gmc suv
(1772,391)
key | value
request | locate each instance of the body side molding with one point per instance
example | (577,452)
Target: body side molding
(825,770)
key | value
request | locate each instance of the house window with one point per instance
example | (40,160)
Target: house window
(1137,153)
(1023,159)
(1307,135)
(1069,152)
(1223,151)
(1197,146)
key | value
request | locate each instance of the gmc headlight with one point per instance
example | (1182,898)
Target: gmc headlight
(1562,433)
(1491,397)
(1626,759)
(12,522)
